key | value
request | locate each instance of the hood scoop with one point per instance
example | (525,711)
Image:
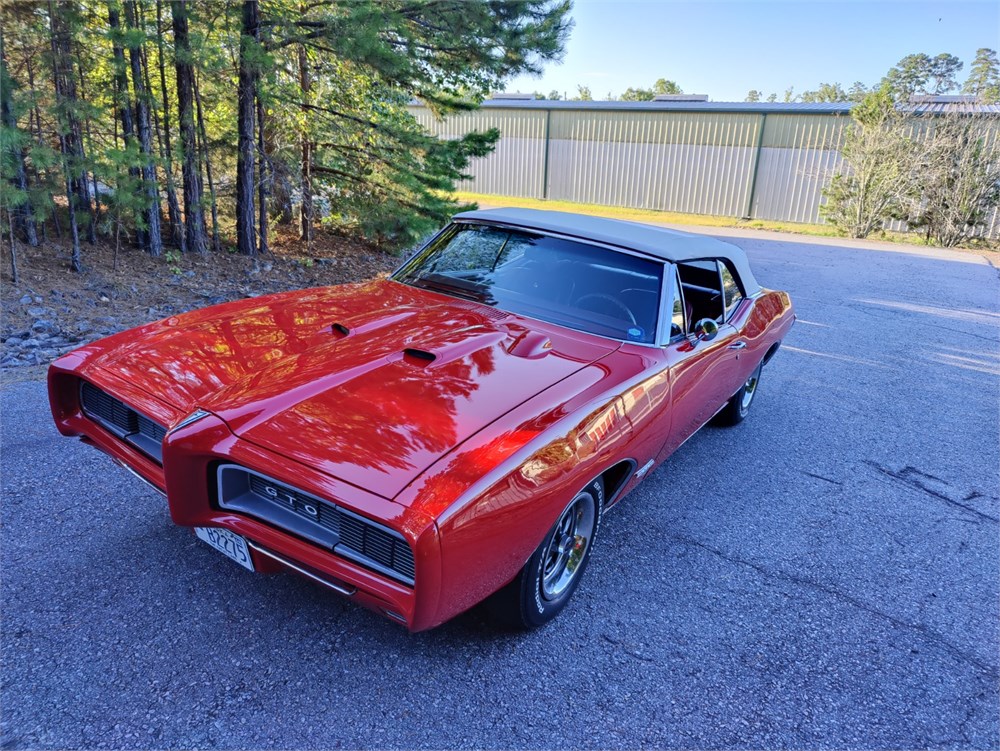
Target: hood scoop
(419,357)
(531,345)
(455,346)
(365,323)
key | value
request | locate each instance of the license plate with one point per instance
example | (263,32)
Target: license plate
(228,543)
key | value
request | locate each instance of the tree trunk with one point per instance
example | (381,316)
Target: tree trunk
(173,208)
(279,179)
(154,240)
(23,215)
(121,76)
(246,94)
(68,126)
(95,210)
(13,249)
(264,176)
(157,156)
(40,141)
(122,98)
(216,244)
(157,131)
(194,219)
(36,175)
(71,99)
(306,207)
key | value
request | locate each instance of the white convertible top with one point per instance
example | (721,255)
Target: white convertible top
(666,244)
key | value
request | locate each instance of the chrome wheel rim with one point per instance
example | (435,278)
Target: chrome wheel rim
(568,546)
(749,389)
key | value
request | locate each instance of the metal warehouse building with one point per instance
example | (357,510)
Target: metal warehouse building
(752,160)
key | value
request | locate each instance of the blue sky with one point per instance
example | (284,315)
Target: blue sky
(724,49)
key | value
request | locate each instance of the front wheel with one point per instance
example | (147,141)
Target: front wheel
(738,407)
(543,587)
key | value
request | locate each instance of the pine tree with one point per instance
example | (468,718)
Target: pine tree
(984,77)
(246,125)
(69,130)
(154,242)
(305,137)
(921,74)
(320,108)
(173,208)
(194,217)
(371,59)
(14,192)
(206,158)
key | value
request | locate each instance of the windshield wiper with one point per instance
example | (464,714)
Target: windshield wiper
(456,290)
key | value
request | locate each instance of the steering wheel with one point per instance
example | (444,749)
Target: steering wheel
(613,300)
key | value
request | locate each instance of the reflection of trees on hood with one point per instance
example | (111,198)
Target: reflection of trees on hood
(415,412)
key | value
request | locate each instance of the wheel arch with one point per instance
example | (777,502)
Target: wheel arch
(615,478)
(771,352)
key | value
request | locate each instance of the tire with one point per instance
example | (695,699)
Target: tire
(738,407)
(542,588)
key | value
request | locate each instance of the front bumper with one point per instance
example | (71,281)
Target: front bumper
(191,457)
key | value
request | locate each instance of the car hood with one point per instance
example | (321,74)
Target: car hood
(370,383)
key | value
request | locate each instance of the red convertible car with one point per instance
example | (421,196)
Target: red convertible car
(448,435)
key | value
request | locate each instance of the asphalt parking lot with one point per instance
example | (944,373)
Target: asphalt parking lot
(823,575)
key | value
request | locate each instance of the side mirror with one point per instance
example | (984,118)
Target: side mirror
(706,329)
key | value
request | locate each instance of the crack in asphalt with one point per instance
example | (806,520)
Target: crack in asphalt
(909,476)
(626,649)
(929,634)
(991,339)
(824,479)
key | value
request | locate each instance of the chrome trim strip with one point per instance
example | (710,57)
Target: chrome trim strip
(193,417)
(644,469)
(347,592)
(128,469)
(394,615)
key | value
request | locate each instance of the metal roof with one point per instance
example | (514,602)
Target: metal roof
(667,106)
(935,107)
(659,242)
(957,107)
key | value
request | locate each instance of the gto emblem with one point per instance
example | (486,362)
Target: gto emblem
(289,500)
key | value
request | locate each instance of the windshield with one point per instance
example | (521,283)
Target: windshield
(573,284)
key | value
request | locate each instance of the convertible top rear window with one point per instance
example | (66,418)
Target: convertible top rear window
(573,284)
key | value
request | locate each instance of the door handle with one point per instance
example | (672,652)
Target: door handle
(738,345)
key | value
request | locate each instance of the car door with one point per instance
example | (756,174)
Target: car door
(704,374)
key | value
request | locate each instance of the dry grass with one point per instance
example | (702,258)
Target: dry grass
(697,220)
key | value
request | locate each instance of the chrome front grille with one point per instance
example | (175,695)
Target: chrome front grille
(325,515)
(345,533)
(377,544)
(123,421)
(151,429)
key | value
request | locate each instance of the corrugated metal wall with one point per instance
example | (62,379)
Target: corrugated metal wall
(691,162)
(741,164)
(516,166)
(798,155)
